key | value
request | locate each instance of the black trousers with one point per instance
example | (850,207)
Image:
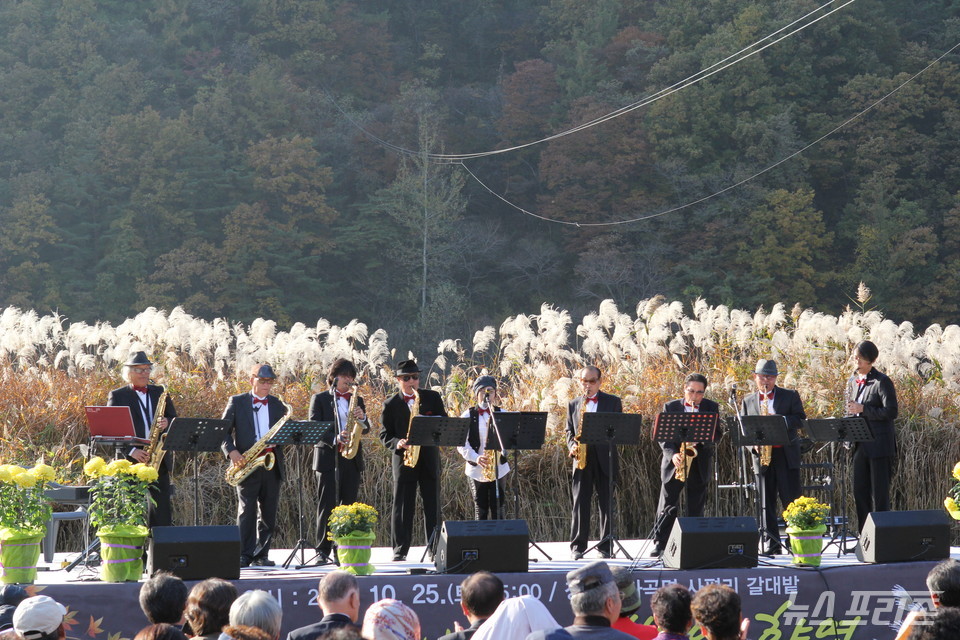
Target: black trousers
(405,488)
(333,491)
(586,482)
(160,514)
(258,497)
(487,504)
(776,480)
(871,484)
(670,497)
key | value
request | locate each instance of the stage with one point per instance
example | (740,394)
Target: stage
(842,599)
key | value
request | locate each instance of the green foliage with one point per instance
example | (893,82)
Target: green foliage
(23,505)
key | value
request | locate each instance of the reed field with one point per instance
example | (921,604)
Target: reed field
(51,369)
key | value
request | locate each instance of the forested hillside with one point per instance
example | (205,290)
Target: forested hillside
(238,157)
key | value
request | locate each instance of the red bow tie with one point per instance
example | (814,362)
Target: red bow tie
(139,389)
(260,401)
(481,412)
(593,399)
(407,398)
(861,381)
(346,396)
(693,406)
(766,396)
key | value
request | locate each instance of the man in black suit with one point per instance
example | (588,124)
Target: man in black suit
(339,598)
(143,399)
(338,478)
(782,476)
(251,415)
(597,476)
(480,595)
(701,466)
(870,394)
(395,423)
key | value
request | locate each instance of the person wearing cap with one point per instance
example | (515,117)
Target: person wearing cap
(630,605)
(701,466)
(142,398)
(598,475)
(251,415)
(483,448)
(40,618)
(395,423)
(338,478)
(595,601)
(716,608)
(870,394)
(782,476)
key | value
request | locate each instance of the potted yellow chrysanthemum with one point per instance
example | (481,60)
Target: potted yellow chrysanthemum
(806,523)
(118,510)
(24,512)
(950,502)
(351,528)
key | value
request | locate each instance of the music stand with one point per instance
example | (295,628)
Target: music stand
(301,433)
(840,431)
(195,435)
(524,430)
(762,431)
(437,431)
(611,429)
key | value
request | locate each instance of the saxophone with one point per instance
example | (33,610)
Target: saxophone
(353,428)
(252,458)
(581,448)
(489,470)
(766,451)
(689,452)
(412,453)
(155,450)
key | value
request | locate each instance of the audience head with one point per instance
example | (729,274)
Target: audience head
(39,618)
(515,619)
(627,586)
(6,617)
(12,594)
(339,593)
(480,595)
(943,624)
(717,608)
(245,632)
(163,598)
(943,581)
(593,591)
(257,609)
(161,631)
(208,606)
(671,608)
(390,619)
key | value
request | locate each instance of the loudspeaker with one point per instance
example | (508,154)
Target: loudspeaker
(905,536)
(711,543)
(195,553)
(467,546)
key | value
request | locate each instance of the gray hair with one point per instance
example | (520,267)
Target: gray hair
(336,586)
(593,601)
(257,609)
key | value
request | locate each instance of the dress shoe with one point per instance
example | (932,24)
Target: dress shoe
(399,557)
(263,562)
(606,555)
(577,555)
(244,561)
(771,549)
(657,551)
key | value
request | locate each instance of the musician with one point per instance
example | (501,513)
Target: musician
(597,476)
(782,476)
(395,423)
(251,415)
(870,394)
(488,495)
(341,487)
(701,466)
(142,398)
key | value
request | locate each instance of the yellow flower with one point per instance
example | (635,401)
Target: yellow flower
(45,472)
(144,472)
(94,467)
(117,466)
(950,504)
(956,471)
(5,474)
(27,479)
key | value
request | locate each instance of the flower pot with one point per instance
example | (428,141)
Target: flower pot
(807,545)
(121,549)
(354,550)
(19,552)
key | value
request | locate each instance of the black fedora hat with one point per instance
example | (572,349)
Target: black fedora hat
(136,359)
(407,367)
(262,371)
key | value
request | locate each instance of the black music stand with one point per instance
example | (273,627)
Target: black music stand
(524,430)
(762,431)
(301,433)
(195,435)
(611,429)
(840,431)
(437,431)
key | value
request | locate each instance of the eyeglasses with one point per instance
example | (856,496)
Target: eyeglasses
(141,369)
(266,380)
(412,376)
(589,380)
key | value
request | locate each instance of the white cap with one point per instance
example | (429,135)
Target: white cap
(37,617)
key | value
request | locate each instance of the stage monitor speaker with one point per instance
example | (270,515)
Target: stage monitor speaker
(712,543)
(467,546)
(195,553)
(905,536)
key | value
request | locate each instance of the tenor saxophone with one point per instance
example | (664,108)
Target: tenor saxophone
(689,452)
(254,457)
(581,448)
(155,450)
(412,453)
(490,469)
(353,428)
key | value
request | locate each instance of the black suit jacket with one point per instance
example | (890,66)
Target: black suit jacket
(879,400)
(126,397)
(670,448)
(466,634)
(242,433)
(395,422)
(606,403)
(787,403)
(322,410)
(317,629)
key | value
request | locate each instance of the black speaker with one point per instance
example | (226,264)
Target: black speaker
(195,553)
(467,546)
(905,536)
(711,543)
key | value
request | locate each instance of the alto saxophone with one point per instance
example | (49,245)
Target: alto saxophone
(689,452)
(766,451)
(412,453)
(490,469)
(353,428)
(254,457)
(155,450)
(581,448)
